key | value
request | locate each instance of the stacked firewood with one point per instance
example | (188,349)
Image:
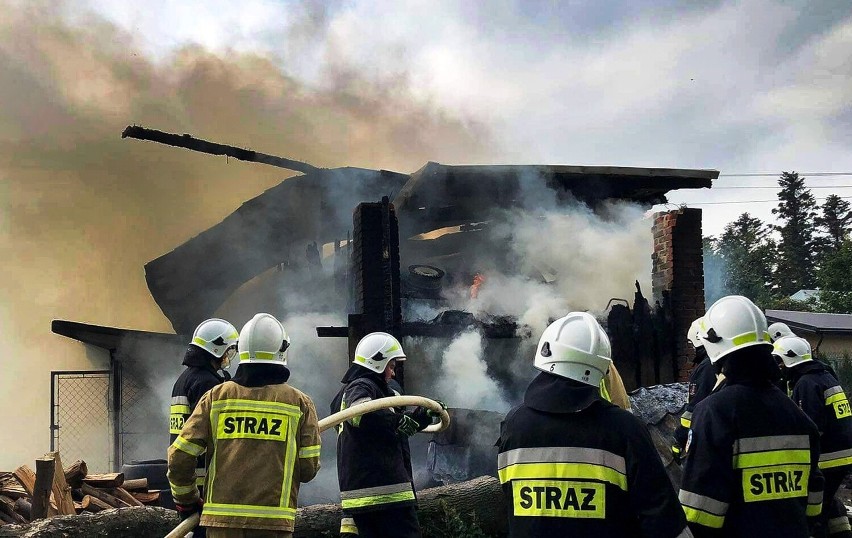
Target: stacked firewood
(51,490)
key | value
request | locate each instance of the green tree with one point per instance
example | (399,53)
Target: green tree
(835,221)
(835,280)
(797,212)
(715,276)
(747,251)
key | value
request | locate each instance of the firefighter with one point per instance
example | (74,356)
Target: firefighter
(261,440)
(820,396)
(779,330)
(752,466)
(702,379)
(572,463)
(373,463)
(213,345)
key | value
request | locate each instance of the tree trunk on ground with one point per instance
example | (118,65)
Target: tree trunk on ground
(136,522)
(45,467)
(481,498)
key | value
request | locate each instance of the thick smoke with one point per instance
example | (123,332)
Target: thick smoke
(83,210)
(464,377)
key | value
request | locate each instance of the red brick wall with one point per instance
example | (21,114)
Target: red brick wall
(679,269)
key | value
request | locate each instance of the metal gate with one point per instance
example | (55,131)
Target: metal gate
(80,421)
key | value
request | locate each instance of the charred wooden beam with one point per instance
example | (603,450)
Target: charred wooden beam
(204,146)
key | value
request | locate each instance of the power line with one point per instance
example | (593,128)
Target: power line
(750,201)
(779,175)
(777,187)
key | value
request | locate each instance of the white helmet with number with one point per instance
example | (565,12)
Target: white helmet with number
(692,334)
(792,350)
(779,330)
(732,323)
(215,336)
(575,347)
(263,340)
(376,350)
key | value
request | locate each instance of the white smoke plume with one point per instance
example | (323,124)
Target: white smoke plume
(464,377)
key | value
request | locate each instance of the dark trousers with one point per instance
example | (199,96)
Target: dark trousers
(834,519)
(398,522)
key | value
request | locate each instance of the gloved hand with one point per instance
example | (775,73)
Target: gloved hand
(187,510)
(434,414)
(406,427)
(677,453)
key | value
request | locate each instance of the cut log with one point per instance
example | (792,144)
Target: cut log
(108,480)
(75,473)
(93,504)
(26,477)
(7,506)
(45,467)
(25,508)
(121,493)
(136,522)
(104,496)
(480,499)
(147,497)
(136,484)
(14,490)
(61,489)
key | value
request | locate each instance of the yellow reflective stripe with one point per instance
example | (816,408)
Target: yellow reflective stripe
(310,451)
(749,337)
(254,405)
(373,500)
(190,448)
(771,457)
(199,480)
(813,510)
(200,341)
(838,397)
(839,462)
(701,517)
(685,422)
(604,393)
(248,510)
(588,471)
(181,490)
(258,355)
(179,410)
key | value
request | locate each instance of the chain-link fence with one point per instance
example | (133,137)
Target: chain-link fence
(135,431)
(80,418)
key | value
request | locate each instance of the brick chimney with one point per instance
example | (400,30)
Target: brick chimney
(679,270)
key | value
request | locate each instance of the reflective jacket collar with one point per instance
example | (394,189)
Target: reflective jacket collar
(260,375)
(553,394)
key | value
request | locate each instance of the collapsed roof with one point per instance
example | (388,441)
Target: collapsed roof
(191,282)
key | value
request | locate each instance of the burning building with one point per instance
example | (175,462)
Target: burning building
(467,263)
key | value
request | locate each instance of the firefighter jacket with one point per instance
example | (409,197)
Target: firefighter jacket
(572,464)
(702,379)
(261,442)
(373,463)
(751,466)
(198,377)
(821,397)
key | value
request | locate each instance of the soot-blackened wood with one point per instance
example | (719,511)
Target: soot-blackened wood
(481,498)
(136,522)
(45,467)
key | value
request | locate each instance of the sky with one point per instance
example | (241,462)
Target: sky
(739,86)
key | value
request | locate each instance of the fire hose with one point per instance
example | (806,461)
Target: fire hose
(340,417)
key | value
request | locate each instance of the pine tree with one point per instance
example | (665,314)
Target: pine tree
(747,252)
(835,280)
(797,212)
(835,221)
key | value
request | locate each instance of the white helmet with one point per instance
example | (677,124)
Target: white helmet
(779,330)
(575,347)
(376,350)
(792,350)
(692,334)
(215,336)
(263,340)
(732,323)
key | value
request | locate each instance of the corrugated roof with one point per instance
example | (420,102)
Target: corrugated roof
(812,321)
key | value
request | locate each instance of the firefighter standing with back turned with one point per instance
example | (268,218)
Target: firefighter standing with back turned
(820,396)
(702,379)
(213,345)
(572,463)
(373,464)
(752,454)
(261,439)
